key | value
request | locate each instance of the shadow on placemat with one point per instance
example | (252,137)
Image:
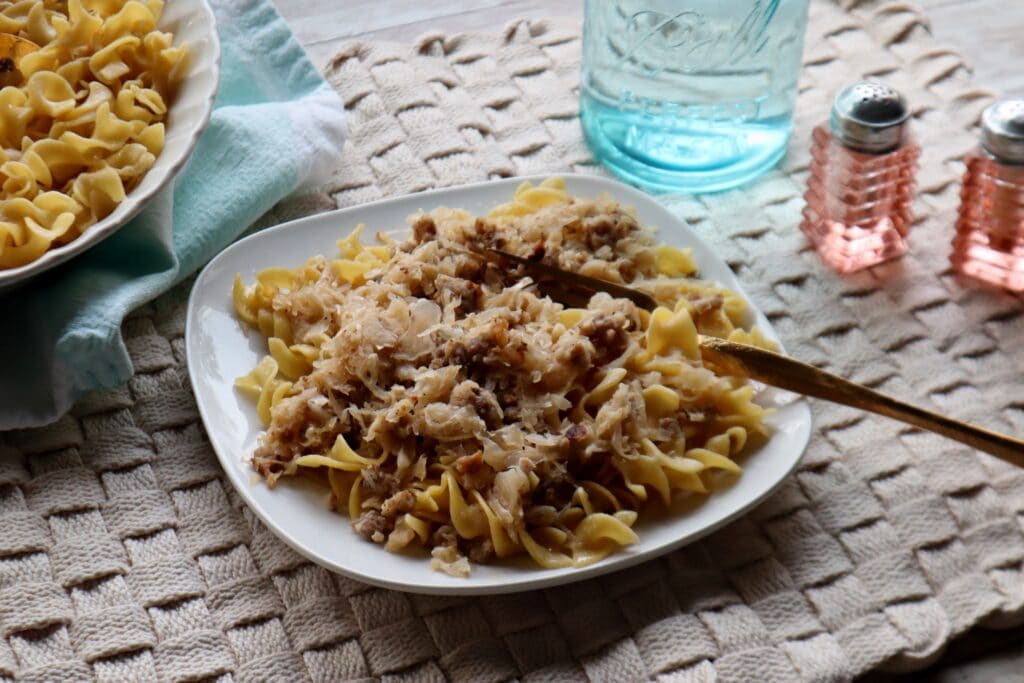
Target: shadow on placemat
(979,656)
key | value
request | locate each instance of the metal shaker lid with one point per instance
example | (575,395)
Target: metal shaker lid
(869,117)
(1002,130)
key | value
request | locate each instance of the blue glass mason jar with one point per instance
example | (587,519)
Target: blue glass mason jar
(690,95)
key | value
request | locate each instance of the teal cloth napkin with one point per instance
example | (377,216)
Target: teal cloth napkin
(277,127)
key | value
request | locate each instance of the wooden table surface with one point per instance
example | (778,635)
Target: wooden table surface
(988,33)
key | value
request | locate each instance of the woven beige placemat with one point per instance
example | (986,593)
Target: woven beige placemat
(125,556)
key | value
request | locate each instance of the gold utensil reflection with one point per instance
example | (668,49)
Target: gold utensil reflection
(777,370)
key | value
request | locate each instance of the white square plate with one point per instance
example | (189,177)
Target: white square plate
(219,350)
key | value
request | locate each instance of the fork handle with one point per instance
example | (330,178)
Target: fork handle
(786,373)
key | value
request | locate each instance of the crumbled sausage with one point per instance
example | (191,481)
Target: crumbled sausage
(609,333)
(467,293)
(400,503)
(424,229)
(444,535)
(481,400)
(473,472)
(606,229)
(377,482)
(372,526)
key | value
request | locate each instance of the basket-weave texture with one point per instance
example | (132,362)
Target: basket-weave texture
(124,555)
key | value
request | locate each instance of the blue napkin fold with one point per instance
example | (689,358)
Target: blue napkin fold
(277,127)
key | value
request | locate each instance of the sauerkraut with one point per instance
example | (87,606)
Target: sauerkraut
(451,404)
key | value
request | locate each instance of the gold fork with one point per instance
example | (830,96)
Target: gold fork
(777,370)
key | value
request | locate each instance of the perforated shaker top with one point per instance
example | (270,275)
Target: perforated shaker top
(869,117)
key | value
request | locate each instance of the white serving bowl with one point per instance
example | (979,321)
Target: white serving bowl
(191,22)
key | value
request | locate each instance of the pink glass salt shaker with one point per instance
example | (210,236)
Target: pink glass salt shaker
(989,241)
(861,185)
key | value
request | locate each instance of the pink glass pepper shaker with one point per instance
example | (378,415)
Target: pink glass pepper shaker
(861,184)
(989,242)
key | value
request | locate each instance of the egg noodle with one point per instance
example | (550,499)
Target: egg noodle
(82,119)
(454,406)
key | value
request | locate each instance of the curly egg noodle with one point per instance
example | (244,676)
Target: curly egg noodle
(87,121)
(451,405)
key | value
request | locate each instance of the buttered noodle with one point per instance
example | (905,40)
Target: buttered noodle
(451,405)
(87,121)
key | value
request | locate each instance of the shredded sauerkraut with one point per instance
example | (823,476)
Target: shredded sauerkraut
(452,405)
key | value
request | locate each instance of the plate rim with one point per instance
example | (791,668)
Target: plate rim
(242,487)
(104,228)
